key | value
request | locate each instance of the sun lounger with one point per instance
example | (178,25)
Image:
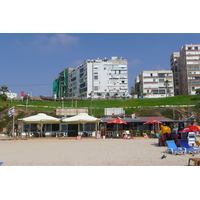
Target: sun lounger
(184,144)
(1,163)
(173,148)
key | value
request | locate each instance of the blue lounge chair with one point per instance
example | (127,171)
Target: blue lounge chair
(1,163)
(184,144)
(173,148)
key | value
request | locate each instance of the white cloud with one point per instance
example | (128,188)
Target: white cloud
(135,62)
(56,42)
(76,63)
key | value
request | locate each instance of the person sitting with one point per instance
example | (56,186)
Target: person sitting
(176,137)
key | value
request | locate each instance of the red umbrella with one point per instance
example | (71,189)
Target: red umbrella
(190,129)
(153,121)
(117,121)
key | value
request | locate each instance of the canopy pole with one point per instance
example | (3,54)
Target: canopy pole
(14,124)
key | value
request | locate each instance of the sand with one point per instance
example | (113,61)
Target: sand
(88,152)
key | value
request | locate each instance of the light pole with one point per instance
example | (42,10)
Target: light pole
(27,101)
(30,92)
(62,102)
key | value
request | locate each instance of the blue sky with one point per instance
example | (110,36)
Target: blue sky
(32,61)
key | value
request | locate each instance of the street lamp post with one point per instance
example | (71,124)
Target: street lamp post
(62,102)
(27,101)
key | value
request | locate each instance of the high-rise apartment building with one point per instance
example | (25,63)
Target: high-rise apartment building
(174,62)
(60,84)
(155,84)
(186,69)
(94,78)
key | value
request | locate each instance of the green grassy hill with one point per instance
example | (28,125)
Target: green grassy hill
(130,105)
(178,107)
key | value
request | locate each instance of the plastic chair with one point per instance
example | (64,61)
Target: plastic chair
(184,144)
(173,148)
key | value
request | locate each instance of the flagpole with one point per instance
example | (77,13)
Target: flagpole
(13,122)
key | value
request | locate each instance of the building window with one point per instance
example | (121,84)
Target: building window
(95,77)
(155,91)
(162,91)
(161,75)
(96,87)
(161,80)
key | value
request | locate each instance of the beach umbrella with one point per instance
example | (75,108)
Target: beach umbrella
(81,118)
(192,128)
(153,121)
(117,121)
(41,118)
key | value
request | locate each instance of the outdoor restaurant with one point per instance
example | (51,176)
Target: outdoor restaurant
(42,125)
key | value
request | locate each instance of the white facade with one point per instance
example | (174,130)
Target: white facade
(10,94)
(100,77)
(151,84)
(186,68)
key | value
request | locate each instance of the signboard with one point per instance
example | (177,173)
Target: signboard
(22,94)
(114,111)
(70,111)
(98,134)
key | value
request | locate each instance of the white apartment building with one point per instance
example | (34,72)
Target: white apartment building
(151,84)
(174,63)
(99,77)
(188,69)
(10,94)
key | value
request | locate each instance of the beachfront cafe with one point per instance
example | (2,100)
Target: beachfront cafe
(84,125)
(135,127)
(42,125)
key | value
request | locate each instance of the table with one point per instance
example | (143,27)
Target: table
(196,161)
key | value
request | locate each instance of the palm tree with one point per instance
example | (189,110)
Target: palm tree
(166,84)
(4,89)
(107,95)
(115,95)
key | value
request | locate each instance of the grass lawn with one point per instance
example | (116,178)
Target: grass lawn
(99,105)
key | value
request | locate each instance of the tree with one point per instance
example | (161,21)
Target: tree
(99,94)
(3,97)
(82,95)
(27,96)
(115,95)
(107,95)
(166,84)
(198,91)
(4,89)
(90,94)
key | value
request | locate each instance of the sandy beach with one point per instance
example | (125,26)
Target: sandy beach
(88,152)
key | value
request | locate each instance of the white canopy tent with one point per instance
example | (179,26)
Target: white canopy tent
(41,119)
(81,118)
